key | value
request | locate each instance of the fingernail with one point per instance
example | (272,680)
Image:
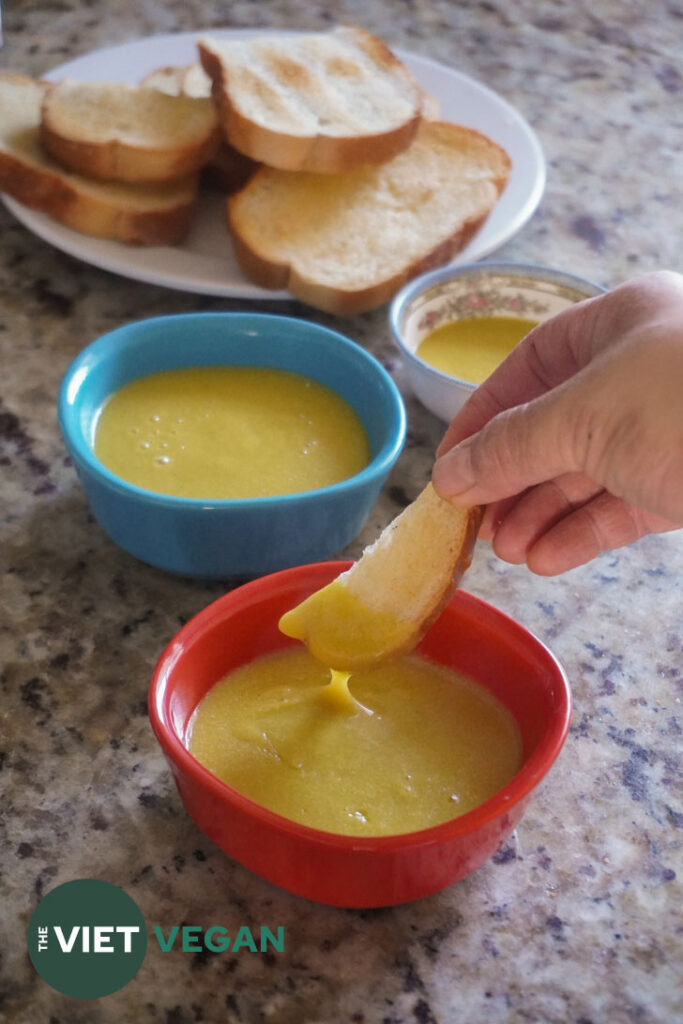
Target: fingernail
(452,474)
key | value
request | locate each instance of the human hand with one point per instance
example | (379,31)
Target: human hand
(575,442)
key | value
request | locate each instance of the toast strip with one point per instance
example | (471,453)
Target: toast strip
(384,604)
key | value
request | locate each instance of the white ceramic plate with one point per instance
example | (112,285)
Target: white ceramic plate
(204,262)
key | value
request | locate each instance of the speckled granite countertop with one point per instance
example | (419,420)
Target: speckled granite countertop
(576,920)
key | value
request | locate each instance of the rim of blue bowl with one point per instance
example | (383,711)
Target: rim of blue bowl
(81,451)
(420,284)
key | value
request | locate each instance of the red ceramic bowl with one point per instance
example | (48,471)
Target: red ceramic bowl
(352,871)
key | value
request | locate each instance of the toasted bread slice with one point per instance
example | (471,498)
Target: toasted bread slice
(192,80)
(145,214)
(347,243)
(169,80)
(384,604)
(326,102)
(180,80)
(431,108)
(228,169)
(126,132)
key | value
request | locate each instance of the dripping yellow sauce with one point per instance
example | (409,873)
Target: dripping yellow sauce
(400,747)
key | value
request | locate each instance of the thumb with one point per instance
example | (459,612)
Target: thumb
(520,447)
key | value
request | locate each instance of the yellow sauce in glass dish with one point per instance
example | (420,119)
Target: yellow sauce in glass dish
(472,348)
(397,748)
(229,432)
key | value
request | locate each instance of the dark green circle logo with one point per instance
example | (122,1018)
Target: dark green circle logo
(87,938)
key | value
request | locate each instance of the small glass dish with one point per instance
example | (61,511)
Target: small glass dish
(486,289)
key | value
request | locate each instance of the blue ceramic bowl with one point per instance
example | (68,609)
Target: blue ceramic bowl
(241,537)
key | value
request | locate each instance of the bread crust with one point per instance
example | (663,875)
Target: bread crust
(168,79)
(227,169)
(320,153)
(116,159)
(456,564)
(282,276)
(149,218)
(387,601)
(119,161)
(261,267)
(462,562)
(48,192)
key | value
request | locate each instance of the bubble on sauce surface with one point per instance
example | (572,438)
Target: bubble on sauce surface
(142,433)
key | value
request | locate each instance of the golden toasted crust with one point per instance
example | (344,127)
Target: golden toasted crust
(319,152)
(121,162)
(99,217)
(415,566)
(142,214)
(384,604)
(168,79)
(228,169)
(270,254)
(376,49)
(117,158)
(282,276)
(463,560)
(420,627)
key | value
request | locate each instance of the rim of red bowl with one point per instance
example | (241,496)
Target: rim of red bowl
(526,779)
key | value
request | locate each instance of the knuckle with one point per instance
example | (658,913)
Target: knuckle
(500,446)
(583,436)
